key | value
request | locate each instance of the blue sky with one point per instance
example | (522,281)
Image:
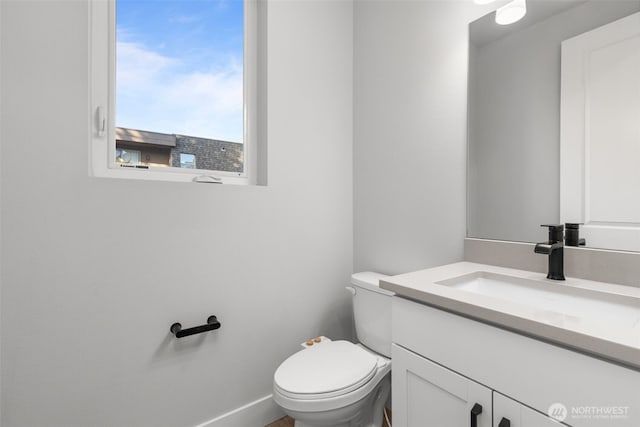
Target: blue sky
(179,67)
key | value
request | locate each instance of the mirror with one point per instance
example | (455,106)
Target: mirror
(514,126)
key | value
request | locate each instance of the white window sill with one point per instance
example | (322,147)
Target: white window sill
(169,176)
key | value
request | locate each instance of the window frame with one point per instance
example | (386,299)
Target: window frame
(102,99)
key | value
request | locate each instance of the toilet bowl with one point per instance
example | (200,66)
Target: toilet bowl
(339,383)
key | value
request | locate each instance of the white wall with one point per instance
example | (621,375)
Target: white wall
(410,139)
(96,270)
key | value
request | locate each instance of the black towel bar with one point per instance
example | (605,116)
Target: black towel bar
(212,324)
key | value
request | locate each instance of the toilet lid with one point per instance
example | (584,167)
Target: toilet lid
(326,368)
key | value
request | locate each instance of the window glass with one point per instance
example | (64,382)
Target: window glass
(127,156)
(187,161)
(179,83)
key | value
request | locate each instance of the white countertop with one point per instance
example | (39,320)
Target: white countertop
(609,340)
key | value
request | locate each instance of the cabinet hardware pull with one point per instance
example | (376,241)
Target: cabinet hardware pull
(504,422)
(475,411)
(212,323)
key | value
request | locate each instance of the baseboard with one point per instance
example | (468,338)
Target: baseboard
(258,413)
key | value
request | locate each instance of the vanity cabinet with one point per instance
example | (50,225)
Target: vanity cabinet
(426,394)
(444,363)
(518,415)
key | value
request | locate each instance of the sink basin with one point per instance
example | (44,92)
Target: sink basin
(560,297)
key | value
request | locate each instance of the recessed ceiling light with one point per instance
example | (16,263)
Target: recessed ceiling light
(511,12)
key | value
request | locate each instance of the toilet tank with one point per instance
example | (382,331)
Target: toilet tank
(372,311)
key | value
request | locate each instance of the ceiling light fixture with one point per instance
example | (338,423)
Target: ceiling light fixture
(511,12)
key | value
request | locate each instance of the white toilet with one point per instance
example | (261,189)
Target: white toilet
(338,383)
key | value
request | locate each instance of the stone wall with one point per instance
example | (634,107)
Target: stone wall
(210,154)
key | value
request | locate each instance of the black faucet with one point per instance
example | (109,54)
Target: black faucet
(555,249)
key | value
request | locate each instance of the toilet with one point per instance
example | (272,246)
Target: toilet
(339,383)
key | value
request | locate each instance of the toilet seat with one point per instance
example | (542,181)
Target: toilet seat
(331,369)
(301,403)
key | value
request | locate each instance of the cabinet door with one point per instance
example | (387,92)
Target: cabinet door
(428,395)
(509,413)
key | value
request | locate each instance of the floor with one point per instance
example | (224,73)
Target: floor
(282,422)
(288,422)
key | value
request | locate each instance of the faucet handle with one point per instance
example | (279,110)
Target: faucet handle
(556,232)
(572,237)
(554,227)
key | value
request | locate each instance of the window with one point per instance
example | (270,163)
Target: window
(127,157)
(187,161)
(175,81)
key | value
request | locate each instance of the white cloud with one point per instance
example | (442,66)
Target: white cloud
(157,93)
(137,64)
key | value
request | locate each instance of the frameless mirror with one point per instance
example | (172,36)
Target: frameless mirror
(517,81)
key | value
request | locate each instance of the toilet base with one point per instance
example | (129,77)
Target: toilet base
(367,412)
